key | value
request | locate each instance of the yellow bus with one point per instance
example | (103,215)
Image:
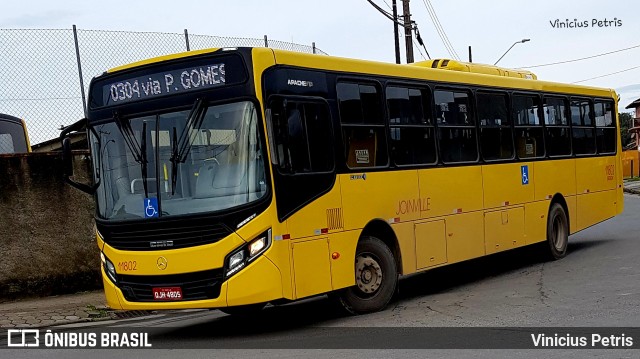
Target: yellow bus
(230,178)
(13,135)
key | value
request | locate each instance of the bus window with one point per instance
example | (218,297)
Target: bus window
(557,126)
(12,136)
(302,131)
(605,127)
(362,125)
(583,133)
(456,127)
(529,136)
(496,137)
(412,137)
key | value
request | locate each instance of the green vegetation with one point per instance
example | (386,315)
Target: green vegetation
(626,120)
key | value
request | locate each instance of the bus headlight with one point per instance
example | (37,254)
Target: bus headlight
(109,268)
(247,253)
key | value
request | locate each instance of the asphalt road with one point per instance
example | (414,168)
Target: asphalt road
(596,285)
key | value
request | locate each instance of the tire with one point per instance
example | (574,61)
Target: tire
(555,247)
(244,310)
(376,278)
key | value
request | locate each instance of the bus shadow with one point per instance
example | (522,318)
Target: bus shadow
(473,271)
(314,312)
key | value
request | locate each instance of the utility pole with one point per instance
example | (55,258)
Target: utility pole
(407,30)
(395,31)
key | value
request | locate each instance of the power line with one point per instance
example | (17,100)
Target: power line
(420,51)
(613,73)
(443,35)
(414,26)
(580,59)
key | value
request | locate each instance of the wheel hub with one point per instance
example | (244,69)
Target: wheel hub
(368,274)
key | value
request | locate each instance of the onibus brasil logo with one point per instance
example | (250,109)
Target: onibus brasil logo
(32,338)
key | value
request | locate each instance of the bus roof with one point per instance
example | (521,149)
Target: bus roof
(462,73)
(10,118)
(163,58)
(448,64)
(418,72)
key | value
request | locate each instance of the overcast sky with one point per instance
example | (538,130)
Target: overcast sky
(353,28)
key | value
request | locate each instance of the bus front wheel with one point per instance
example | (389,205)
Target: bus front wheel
(557,232)
(376,278)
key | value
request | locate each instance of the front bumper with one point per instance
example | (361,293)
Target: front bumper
(258,282)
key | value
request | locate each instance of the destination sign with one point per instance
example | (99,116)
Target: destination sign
(164,83)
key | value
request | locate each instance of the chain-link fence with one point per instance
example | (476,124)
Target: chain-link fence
(40,69)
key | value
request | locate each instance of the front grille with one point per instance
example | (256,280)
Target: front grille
(195,286)
(145,237)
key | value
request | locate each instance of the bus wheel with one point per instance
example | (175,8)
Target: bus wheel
(244,310)
(376,278)
(557,233)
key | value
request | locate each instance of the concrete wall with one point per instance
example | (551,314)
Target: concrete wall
(47,240)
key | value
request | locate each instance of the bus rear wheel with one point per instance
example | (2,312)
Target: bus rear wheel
(376,278)
(557,233)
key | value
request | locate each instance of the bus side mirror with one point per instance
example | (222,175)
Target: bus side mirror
(67,158)
(67,165)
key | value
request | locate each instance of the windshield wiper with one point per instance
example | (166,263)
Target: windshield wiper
(139,152)
(180,147)
(143,163)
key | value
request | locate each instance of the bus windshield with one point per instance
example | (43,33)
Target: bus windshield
(178,163)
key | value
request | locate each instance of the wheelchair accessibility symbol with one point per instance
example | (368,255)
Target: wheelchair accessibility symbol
(525,174)
(150,207)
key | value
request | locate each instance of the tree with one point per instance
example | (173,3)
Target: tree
(626,120)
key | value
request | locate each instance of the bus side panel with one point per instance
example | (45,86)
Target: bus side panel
(595,207)
(256,284)
(504,229)
(451,190)
(503,184)
(595,187)
(407,243)
(572,204)
(465,236)
(312,268)
(315,216)
(551,177)
(535,221)
(431,243)
(384,195)
(342,268)
(591,174)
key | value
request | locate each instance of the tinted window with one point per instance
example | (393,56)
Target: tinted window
(302,132)
(412,137)
(359,103)
(456,127)
(581,113)
(558,132)
(529,135)
(363,129)
(525,110)
(605,127)
(583,134)
(496,138)
(452,108)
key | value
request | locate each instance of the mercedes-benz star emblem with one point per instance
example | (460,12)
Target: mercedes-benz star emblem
(162,263)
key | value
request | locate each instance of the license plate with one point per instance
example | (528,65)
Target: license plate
(172,293)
